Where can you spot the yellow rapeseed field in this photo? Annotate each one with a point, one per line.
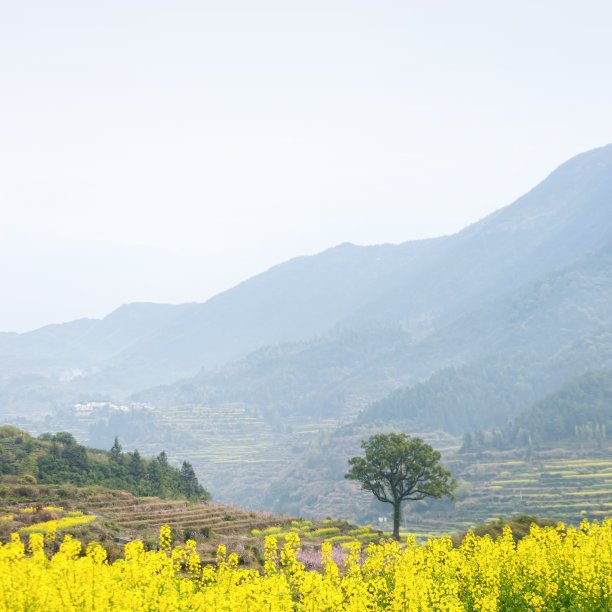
(551, 569)
(72, 519)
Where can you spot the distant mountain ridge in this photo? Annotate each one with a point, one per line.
(530, 336)
(365, 318)
(534, 274)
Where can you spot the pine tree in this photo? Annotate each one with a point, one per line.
(115, 451)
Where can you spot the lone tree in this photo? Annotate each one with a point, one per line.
(396, 468)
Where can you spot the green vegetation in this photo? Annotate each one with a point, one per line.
(397, 468)
(579, 411)
(58, 459)
(519, 526)
(562, 484)
(223, 442)
(484, 394)
(565, 481)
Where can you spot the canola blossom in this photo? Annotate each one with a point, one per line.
(551, 569)
(72, 519)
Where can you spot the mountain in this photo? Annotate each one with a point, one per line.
(414, 289)
(57, 363)
(517, 349)
(85, 341)
(562, 219)
(141, 344)
(576, 411)
(445, 335)
(522, 284)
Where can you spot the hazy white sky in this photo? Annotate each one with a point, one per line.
(164, 151)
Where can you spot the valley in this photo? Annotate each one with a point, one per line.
(269, 387)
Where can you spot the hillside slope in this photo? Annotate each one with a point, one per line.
(416, 288)
(419, 286)
(554, 460)
(58, 459)
(519, 336)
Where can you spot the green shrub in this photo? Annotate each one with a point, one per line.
(189, 533)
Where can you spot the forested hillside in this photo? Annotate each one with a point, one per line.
(518, 347)
(58, 459)
(580, 411)
(491, 390)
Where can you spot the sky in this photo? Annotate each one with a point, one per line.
(166, 151)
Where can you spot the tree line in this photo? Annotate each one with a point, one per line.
(58, 459)
(579, 411)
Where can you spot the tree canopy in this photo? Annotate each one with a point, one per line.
(59, 459)
(397, 468)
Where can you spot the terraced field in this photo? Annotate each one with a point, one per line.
(232, 439)
(216, 440)
(133, 513)
(117, 517)
(566, 484)
(561, 484)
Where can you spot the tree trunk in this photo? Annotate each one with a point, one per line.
(397, 515)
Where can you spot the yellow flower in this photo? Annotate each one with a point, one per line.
(549, 569)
